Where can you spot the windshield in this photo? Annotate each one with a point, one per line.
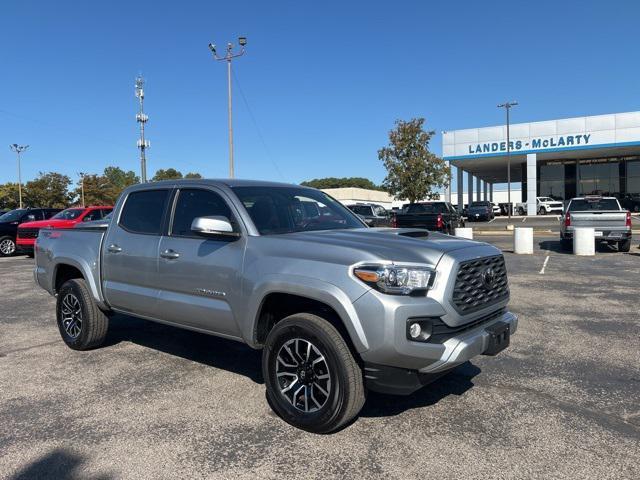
(276, 210)
(546, 199)
(13, 215)
(68, 214)
(581, 205)
(427, 208)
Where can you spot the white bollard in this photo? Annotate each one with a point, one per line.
(466, 232)
(584, 241)
(523, 240)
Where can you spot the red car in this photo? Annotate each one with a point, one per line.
(28, 232)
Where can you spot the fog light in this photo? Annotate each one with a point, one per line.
(415, 330)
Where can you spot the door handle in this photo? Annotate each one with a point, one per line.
(114, 248)
(170, 254)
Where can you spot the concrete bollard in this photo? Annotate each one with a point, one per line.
(523, 240)
(466, 232)
(584, 241)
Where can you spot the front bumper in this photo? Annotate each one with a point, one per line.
(456, 351)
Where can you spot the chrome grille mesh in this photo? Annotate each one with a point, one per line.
(28, 232)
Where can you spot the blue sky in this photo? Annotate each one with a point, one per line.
(324, 80)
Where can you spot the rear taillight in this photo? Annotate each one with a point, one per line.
(628, 222)
(439, 221)
(394, 222)
(567, 220)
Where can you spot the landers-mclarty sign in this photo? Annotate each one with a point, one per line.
(556, 141)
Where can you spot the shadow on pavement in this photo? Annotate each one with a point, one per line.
(59, 464)
(455, 383)
(556, 247)
(216, 352)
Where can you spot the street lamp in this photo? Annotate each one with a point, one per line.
(228, 57)
(507, 106)
(19, 149)
(81, 174)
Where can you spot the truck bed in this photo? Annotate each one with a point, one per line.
(79, 247)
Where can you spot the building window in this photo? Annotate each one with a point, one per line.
(633, 177)
(598, 177)
(552, 181)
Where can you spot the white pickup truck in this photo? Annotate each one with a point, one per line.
(611, 222)
(544, 206)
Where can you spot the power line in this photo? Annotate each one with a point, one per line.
(255, 124)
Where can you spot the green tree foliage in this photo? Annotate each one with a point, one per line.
(48, 190)
(168, 174)
(106, 188)
(413, 172)
(193, 175)
(333, 182)
(9, 197)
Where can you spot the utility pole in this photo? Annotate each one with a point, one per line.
(82, 187)
(19, 149)
(507, 106)
(142, 118)
(228, 57)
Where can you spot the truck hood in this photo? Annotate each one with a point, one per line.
(49, 223)
(401, 245)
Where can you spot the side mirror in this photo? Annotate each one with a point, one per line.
(213, 226)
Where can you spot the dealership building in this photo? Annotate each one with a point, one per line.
(556, 158)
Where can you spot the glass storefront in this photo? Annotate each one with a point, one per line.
(617, 177)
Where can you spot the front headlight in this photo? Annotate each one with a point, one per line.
(396, 279)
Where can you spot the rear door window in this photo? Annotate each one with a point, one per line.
(143, 211)
(585, 205)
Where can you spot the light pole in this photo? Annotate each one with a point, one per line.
(142, 118)
(82, 187)
(507, 106)
(19, 149)
(228, 57)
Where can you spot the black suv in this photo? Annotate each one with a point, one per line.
(9, 225)
(372, 214)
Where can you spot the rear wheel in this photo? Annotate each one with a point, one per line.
(81, 323)
(542, 211)
(566, 244)
(313, 381)
(520, 211)
(7, 246)
(624, 246)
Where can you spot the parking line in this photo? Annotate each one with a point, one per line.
(544, 265)
(523, 220)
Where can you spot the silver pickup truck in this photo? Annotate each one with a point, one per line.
(611, 222)
(338, 308)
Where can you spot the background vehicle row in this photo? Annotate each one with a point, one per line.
(10, 221)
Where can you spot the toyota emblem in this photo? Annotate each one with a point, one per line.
(489, 278)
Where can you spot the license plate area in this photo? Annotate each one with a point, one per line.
(499, 338)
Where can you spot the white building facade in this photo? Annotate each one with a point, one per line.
(556, 158)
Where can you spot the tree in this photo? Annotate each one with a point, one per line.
(413, 172)
(48, 190)
(9, 196)
(119, 179)
(168, 174)
(193, 175)
(97, 190)
(333, 182)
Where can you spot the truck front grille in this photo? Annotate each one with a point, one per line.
(28, 232)
(480, 283)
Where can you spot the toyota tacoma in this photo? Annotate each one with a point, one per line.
(336, 307)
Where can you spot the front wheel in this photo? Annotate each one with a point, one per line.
(313, 381)
(542, 211)
(81, 323)
(7, 246)
(520, 211)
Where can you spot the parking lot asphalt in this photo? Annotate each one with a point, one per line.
(158, 402)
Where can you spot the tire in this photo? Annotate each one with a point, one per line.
(566, 244)
(340, 391)
(542, 211)
(81, 323)
(7, 246)
(624, 246)
(636, 208)
(520, 211)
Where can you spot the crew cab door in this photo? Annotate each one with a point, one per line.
(130, 252)
(201, 276)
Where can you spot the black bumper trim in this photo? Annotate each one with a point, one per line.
(397, 381)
